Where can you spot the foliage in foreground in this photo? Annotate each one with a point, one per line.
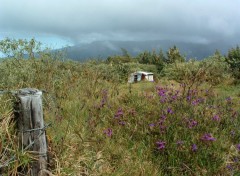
(100, 128)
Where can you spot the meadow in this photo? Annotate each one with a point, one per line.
(186, 122)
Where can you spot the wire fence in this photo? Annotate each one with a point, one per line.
(12, 159)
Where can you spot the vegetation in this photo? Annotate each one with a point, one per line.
(233, 59)
(185, 123)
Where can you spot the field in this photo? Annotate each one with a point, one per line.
(101, 125)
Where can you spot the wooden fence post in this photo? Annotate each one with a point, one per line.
(32, 129)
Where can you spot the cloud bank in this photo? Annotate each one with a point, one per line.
(199, 21)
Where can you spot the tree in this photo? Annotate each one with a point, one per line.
(160, 61)
(174, 55)
(152, 58)
(161, 56)
(144, 58)
(233, 59)
(19, 48)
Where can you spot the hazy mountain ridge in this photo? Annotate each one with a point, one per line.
(103, 49)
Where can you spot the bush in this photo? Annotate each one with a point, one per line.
(194, 73)
(233, 59)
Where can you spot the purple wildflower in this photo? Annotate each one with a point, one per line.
(208, 137)
(169, 111)
(152, 125)
(162, 128)
(228, 99)
(174, 97)
(163, 117)
(229, 167)
(200, 100)
(103, 102)
(195, 91)
(122, 123)
(194, 102)
(179, 143)
(160, 145)
(161, 125)
(161, 121)
(162, 92)
(104, 98)
(119, 113)
(235, 159)
(216, 118)
(192, 123)
(182, 85)
(163, 99)
(108, 132)
(238, 146)
(194, 147)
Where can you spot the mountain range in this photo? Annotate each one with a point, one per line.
(104, 49)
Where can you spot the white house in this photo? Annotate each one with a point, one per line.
(140, 76)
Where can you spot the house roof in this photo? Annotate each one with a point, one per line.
(144, 73)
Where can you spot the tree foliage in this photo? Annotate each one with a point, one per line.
(233, 59)
(19, 48)
(192, 74)
(174, 55)
(152, 58)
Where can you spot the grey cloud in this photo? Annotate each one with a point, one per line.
(90, 20)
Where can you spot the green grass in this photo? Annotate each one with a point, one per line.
(228, 90)
(83, 105)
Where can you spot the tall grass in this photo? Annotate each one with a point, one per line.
(101, 128)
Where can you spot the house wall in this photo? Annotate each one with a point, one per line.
(138, 77)
(149, 77)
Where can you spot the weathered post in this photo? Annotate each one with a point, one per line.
(31, 128)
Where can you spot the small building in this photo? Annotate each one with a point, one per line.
(140, 76)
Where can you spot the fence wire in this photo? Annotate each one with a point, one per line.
(12, 159)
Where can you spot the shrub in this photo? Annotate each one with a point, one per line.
(194, 73)
(233, 59)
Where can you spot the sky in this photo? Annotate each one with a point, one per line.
(58, 23)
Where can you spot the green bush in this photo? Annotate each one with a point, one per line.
(194, 73)
(233, 59)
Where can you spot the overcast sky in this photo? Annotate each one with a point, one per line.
(66, 22)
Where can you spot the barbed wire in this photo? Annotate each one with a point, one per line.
(18, 91)
(43, 129)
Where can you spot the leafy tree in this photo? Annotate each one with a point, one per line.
(161, 56)
(217, 54)
(152, 58)
(118, 59)
(174, 55)
(160, 61)
(19, 48)
(144, 57)
(233, 59)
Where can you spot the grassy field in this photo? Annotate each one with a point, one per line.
(103, 126)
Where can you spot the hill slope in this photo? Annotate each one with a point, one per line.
(103, 49)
